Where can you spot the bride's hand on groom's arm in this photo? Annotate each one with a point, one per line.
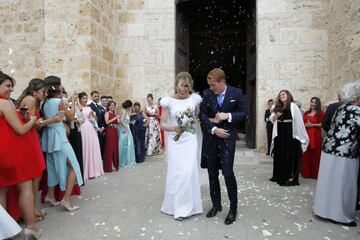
(221, 133)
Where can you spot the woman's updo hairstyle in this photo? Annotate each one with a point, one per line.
(126, 104)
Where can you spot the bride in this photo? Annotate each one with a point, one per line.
(182, 192)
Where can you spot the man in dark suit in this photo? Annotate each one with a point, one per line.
(100, 113)
(269, 125)
(223, 107)
(330, 111)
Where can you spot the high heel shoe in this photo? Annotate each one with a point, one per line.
(39, 215)
(51, 201)
(31, 234)
(66, 206)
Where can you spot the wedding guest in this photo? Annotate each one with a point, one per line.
(75, 135)
(13, 165)
(289, 138)
(329, 113)
(269, 125)
(29, 101)
(139, 124)
(162, 136)
(126, 142)
(153, 132)
(311, 158)
(182, 192)
(62, 165)
(92, 161)
(104, 102)
(111, 139)
(100, 112)
(336, 188)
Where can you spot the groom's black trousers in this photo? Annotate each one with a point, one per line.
(223, 159)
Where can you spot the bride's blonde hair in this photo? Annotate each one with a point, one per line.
(181, 77)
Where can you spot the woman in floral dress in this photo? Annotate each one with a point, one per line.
(153, 131)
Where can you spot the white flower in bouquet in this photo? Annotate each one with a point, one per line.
(186, 122)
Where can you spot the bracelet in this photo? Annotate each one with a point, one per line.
(41, 122)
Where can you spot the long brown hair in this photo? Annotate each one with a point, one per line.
(35, 84)
(318, 106)
(280, 105)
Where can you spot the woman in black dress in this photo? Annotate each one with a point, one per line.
(289, 137)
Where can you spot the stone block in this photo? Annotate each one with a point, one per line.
(289, 35)
(320, 20)
(267, 33)
(121, 72)
(135, 4)
(311, 36)
(119, 4)
(135, 30)
(271, 6)
(107, 54)
(296, 70)
(95, 14)
(8, 29)
(306, 5)
(85, 9)
(129, 17)
(159, 4)
(55, 65)
(322, 68)
(267, 70)
(83, 27)
(30, 28)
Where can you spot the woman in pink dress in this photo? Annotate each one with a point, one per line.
(93, 166)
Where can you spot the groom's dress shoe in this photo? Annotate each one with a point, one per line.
(213, 211)
(231, 217)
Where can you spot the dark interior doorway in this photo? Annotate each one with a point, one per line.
(219, 33)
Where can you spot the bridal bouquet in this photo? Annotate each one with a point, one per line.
(186, 121)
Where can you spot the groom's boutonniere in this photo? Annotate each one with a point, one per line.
(186, 121)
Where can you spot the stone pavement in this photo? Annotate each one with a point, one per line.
(125, 205)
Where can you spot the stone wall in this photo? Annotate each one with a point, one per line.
(21, 40)
(292, 53)
(144, 32)
(344, 43)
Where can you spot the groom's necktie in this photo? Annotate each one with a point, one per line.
(220, 99)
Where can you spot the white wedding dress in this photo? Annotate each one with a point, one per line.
(8, 226)
(182, 192)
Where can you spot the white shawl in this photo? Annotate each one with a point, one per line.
(299, 130)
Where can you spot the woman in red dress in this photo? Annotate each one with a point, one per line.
(29, 101)
(111, 138)
(311, 158)
(162, 135)
(13, 167)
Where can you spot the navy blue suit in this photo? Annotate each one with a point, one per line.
(218, 153)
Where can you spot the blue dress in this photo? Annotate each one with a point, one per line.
(58, 149)
(139, 132)
(126, 145)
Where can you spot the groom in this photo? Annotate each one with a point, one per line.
(223, 107)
